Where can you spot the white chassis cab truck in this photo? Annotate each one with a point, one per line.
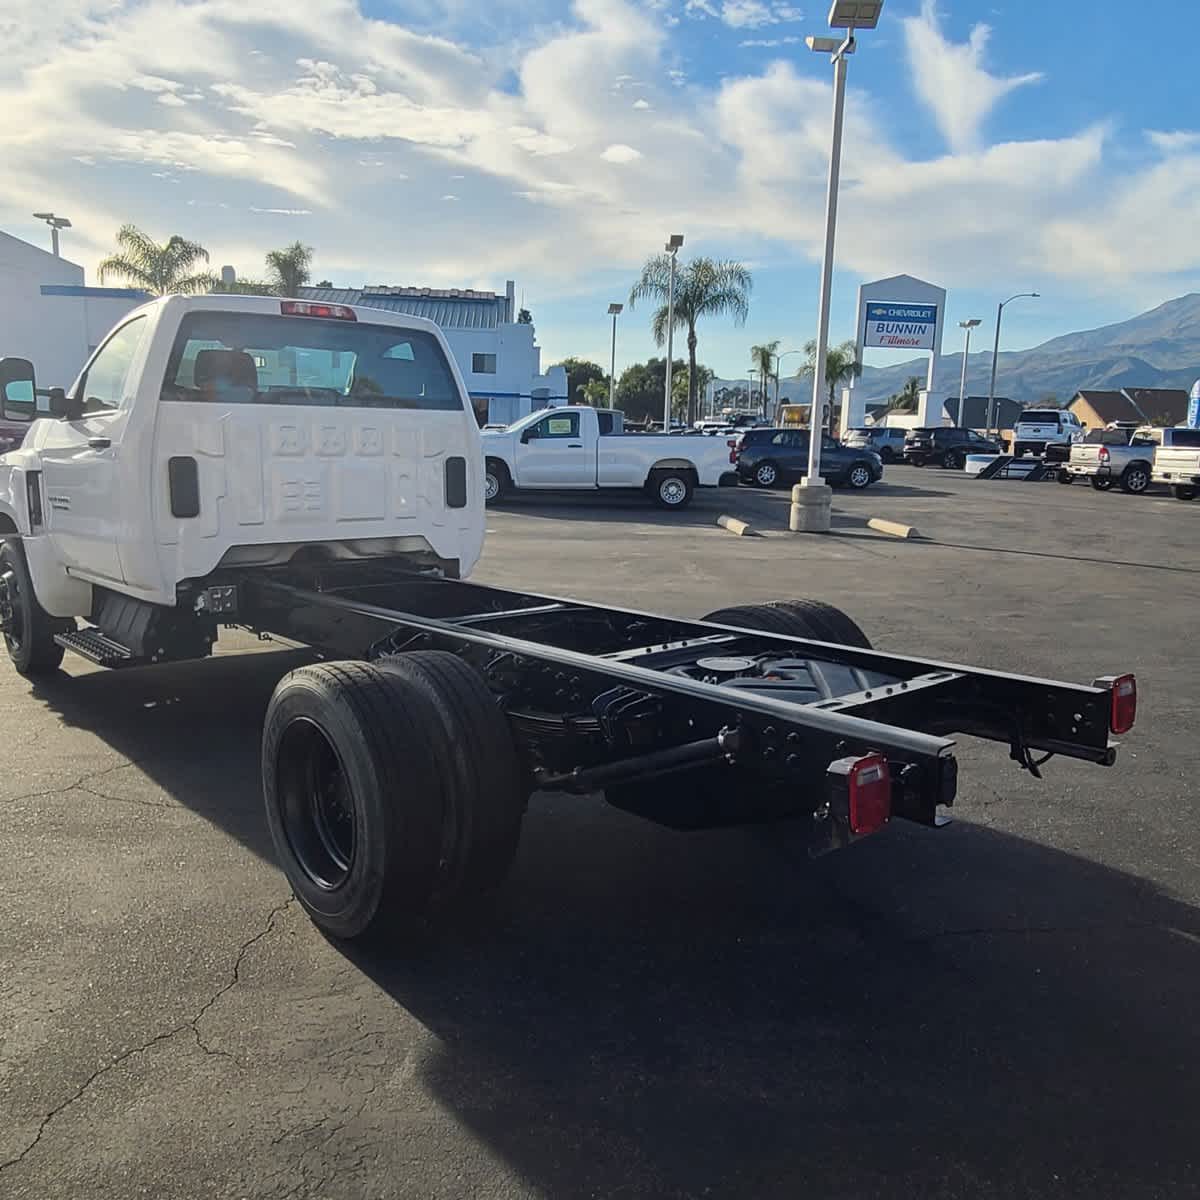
(314, 471)
(565, 449)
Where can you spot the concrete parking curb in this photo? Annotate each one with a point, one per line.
(741, 528)
(895, 528)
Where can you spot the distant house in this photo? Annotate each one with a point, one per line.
(1148, 406)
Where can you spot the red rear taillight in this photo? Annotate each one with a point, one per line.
(1104, 455)
(867, 783)
(306, 308)
(1124, 704)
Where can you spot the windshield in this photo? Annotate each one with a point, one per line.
(258, 358)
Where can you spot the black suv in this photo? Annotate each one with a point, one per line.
(948, 447)
(771, 457)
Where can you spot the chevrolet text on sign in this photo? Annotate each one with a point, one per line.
(901, 326)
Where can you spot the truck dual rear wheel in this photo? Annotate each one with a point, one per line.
(393, 790)
(795, 618)
(28, 629)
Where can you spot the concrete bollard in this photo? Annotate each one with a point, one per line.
(812, 508)
(741, 528)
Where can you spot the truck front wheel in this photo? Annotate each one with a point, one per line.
(392, 790)
(28, 629)
(671, 488)
(496, 481)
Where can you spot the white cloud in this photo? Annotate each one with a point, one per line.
(744, 14)
(771, 42)
(172, 100)
(449, 197)
(1174, 141)
(951, 79)
(618, 152)
(283, 212)
(642, 105)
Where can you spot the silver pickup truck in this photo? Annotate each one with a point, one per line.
(1108, 456)
(1177, 463)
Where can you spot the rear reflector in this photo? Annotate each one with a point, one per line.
(1124, 704)
(306, 308)
(867, 783)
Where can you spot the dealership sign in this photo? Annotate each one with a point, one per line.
(899, 326)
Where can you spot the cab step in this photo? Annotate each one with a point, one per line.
(95, 646)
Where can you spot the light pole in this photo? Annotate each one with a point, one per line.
(614, 311)
(996, 352)
(973, 323)
(750, 374)
(778, 359)
(55, 223)
(673, 244)
(848, 15)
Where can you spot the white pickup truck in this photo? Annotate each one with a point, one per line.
(314, 472)
(567, 449)
(1177, 462)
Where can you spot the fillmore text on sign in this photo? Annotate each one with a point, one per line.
(896, 326)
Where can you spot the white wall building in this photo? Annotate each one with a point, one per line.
(499, 358)
(48, 316)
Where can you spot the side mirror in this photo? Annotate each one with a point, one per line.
(527, 436)
(62, 406)
(18, 389)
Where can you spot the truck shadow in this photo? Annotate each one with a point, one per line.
(646, 1014)
(953, 1014)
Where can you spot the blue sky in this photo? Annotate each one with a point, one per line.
(991, 148)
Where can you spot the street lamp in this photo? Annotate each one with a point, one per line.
(778, 359)
(996, 352)
(848, 15)
(672, 247)
(614, 311)
(973, 323)
(55, 223)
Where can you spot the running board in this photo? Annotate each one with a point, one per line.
(93, 645)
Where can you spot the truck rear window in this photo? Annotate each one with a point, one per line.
(1189, 438)
(258, 358)
(1038, 418)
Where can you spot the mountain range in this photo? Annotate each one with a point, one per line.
(1159, 348)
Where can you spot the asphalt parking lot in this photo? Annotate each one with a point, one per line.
(1003, 1008)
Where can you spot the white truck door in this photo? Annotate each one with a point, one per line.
(80, 478)
(557, 452)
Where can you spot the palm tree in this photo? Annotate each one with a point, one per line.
(907, 399)
(290, 269)
(841, 366)
(763, 360)
(143, 263)
(703, 288)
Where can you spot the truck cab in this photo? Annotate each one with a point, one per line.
(213, 432)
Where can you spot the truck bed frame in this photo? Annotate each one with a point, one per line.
(689, 723)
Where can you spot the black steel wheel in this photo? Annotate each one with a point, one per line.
(1102, 482)
(1182, 492)
(1135, 479)
(28, 629)
(795, 618)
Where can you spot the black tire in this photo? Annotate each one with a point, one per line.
(496, 481)
(859, 476)
(1135, 479)
(1182, 492)
(795, 618)
(366, 776)
(671, 488)
(1102, 482)
(954, 460)
(1018, 451)
(1064, 476)
(767, 474)
(29, 629)
(915, 462)
(488, 780)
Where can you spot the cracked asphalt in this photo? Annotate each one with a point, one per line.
(1003, 1008)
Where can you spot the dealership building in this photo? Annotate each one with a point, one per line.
(49, 315)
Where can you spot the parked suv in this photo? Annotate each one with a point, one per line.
(771, 457)
(887, 442)
(1038, 428)
(946, 446)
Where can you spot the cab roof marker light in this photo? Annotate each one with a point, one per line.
(307, 308)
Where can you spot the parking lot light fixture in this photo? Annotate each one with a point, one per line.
(848, 15)
(674, 242)
(56, 223)
(973, 323)
(614, 311)
(996, 352)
